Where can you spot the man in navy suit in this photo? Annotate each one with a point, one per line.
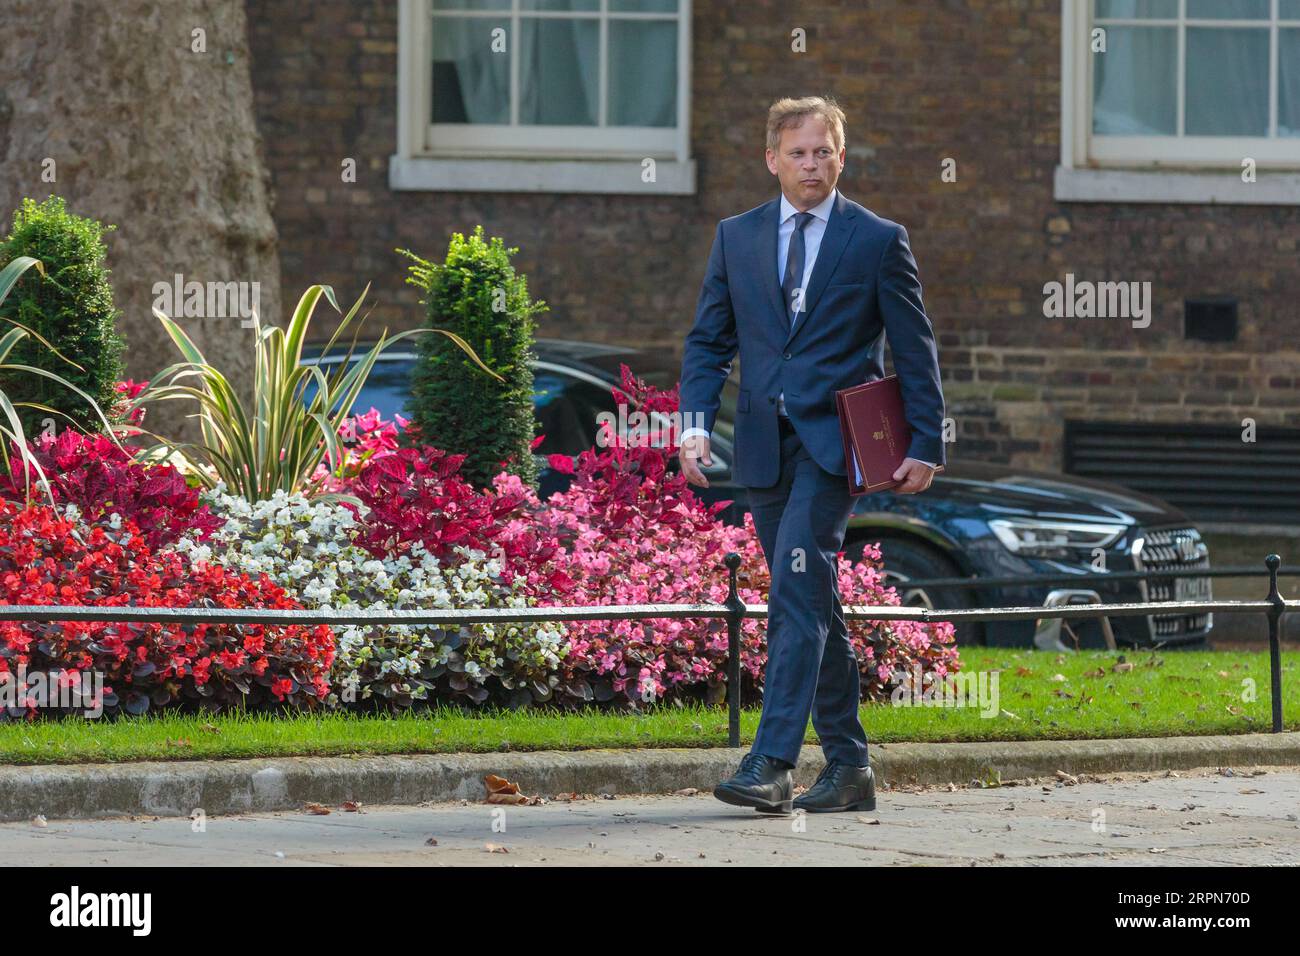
(806, 287)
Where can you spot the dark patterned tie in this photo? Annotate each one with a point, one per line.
(794, 263)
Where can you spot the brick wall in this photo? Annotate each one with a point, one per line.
(975, 81)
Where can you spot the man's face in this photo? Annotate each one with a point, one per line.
(806, 163)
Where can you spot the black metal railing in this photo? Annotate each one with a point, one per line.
(733, 610)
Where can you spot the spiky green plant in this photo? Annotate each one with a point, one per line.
(279, 446)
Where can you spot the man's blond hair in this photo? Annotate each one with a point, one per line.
(790, 112)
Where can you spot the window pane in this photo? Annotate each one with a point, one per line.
(559, 67)
(643, 6)
(1228, 10)
(1227, 82)
(471, 82)
(1288, 83)
(1288, 9)
(559, 5)
(1135, 90)
(1138, 9)
(471, 4)
(642, 73)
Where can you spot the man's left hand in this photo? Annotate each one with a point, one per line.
(914, 475)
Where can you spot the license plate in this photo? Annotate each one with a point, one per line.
(1191, 589)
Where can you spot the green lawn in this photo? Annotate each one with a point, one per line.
(1161, 695)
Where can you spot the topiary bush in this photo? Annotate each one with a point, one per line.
(476, 294)
(72, 308)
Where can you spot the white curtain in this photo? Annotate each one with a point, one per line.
(1288, 82)
(1135, 91)
(642, 73)
(1227, 82)
(559, 67)
(471, 82)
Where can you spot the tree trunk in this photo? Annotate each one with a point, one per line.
(142, 129)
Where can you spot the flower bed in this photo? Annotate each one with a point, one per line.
(48, 557)
(312, 550)
(407, 532)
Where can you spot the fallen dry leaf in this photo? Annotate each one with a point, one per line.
(495, 848)
(1122, 667)
(501, 790)
(317, 808)
(351, 806)
(686, 792)
(1068, 779)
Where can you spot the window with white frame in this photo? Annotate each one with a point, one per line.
(558, 83)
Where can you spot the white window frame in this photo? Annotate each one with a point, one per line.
(512, 158)
(1163, 169)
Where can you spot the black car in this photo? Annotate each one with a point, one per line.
(976, 520)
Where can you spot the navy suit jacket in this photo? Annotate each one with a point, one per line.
(863, 287)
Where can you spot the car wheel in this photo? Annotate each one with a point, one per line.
(906, 561)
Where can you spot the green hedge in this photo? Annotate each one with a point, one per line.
(72, 308)
(476, 294)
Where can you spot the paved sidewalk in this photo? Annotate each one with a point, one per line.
(1171, 819)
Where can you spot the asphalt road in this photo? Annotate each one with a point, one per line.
(1250, 817)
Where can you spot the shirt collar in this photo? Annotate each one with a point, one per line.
(822, 210)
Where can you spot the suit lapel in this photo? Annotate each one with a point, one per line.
(770, 225)
(839, 228)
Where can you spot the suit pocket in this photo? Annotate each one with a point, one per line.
(742, 400)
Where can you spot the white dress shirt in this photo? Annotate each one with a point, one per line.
(812, 243)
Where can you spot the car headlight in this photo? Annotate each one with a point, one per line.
(1054, 538)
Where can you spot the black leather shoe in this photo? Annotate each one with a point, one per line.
(840, 786)
(762, 782)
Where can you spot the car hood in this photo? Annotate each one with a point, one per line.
(1017, 491)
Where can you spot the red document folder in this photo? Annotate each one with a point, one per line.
(876, 434)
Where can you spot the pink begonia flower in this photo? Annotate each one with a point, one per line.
(627, 530)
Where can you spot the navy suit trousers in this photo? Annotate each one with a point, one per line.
(811, 667)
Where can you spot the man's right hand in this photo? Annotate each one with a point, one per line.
(693, 451)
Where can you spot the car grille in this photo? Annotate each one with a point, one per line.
(1174, 549)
